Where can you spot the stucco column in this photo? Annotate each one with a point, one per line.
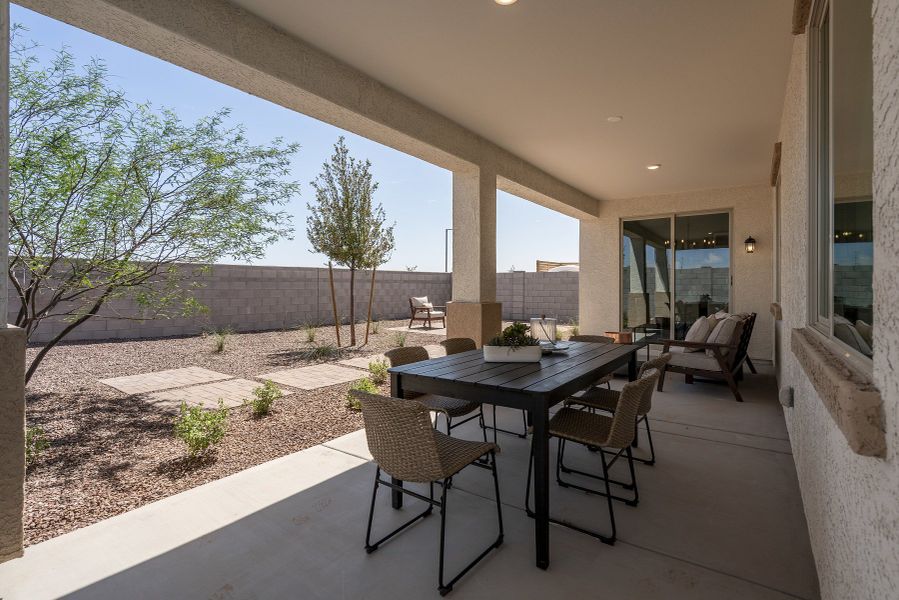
(12, 347)
(598, 280)
(473, 311)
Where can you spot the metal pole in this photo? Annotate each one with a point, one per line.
(446, 250)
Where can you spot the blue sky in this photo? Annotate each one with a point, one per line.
(415, 194)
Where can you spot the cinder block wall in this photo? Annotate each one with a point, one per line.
(253, 298)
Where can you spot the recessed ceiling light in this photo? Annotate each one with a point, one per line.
(615, 119)
(505, 2)
(655, 167)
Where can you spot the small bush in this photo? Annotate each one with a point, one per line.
(575, 330)
(376, 327)
(399, 339)
(220, 339)
(263, 398)
(558, 335)
(320, 352)
(310, 331)
(35, 443)
(199, 428)
(378, 371)
(363, 385)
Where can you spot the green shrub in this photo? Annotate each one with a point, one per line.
(200, 428)
(375, 327)
(320, 352)
(514, 336)
(263, 398)
(378, 371)
(363, 385)
(575, 330)
(558, 335)
(310, 332)
(35, 443)
(220, 339)
(399, 339)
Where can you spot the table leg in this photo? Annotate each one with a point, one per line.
(632, 367)
(540, 420)
(396, 390)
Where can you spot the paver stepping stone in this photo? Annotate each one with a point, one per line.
(420, 329)
(232, 392)
(163, 380)
(313, 377)
(362, 361)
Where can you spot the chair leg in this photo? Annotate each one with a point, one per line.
(560, 467)
(688, 378)
(522, 435)
(446, 588)
(371, 547)
(729, 378)
(652, 452)
(751, 366)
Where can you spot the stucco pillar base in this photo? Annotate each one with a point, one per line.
(479, 321)
(12, 441)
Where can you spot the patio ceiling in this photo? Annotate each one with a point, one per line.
(700, 84)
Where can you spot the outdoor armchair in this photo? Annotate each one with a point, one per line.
(423, 310)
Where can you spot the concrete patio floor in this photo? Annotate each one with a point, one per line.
(719, 517)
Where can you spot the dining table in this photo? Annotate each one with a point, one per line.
(531, 386)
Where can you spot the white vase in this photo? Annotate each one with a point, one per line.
(507, 354)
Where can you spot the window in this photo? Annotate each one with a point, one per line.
(674, 270)
(840, 168)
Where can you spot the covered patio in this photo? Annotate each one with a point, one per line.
(720, 516)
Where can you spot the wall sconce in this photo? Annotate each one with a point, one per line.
(750, 245)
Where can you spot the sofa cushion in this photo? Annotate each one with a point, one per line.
(866, 331)
(724, 333)
(844, 331)
(694, 360)
(421, 302)
(699, 332)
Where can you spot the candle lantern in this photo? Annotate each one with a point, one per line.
(543, 328)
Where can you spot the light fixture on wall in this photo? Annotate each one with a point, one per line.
(654, 167)
(750, 245)
(505, 2)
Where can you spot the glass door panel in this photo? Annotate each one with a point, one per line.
(646, 275)
(702, 268)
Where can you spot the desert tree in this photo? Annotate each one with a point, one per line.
(115, 207)
(346, 225)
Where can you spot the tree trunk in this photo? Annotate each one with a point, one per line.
(352, 306)
(334, 302)
(371, 297)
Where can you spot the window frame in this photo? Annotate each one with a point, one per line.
(821, 200)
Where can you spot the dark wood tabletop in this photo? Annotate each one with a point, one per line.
(534, 387)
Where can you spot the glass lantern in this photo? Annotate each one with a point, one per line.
(544, 329)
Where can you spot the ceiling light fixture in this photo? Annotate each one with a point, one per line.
(505, 2)
(655, 167)
(615, 119)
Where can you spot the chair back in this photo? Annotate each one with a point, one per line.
(457, 345)
(743, 342)
(657, 363)
(623, 428)
(406, 355)
(593, 339)
(400, 437)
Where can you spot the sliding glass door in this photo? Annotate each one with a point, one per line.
(675, 269)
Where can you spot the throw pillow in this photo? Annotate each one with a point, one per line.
(723, 334)
(698, 332)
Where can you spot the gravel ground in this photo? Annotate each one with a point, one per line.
(111, 453)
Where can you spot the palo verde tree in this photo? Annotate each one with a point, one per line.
(115, 204)
(345, 225)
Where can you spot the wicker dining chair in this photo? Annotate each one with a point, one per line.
(612, 435)
(457, 345)
(597, 398)
(450, 408)
(596, 339)
(406, 447)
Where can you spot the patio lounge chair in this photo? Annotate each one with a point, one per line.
(608, 433)
(450, 408)
(457, 345)
(599, 398)
(422, 310)
(406, 447)
(721, 356)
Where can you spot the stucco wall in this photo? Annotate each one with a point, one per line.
(851, 502)
(600, 254)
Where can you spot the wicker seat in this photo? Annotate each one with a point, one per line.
(457, 345)
(407, 448)
(450, 408)
(612, 435)
(596, 339)
(597, 398)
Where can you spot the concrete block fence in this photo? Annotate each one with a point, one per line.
(256, 298)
